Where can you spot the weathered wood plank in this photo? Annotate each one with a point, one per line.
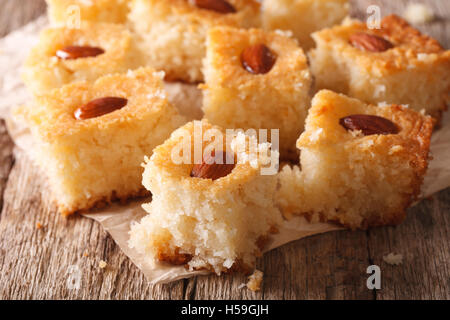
(423, 240)
(37, 262)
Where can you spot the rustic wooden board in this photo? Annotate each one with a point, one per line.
(40, 263)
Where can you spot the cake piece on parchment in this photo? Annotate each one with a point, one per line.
(257, 80)
(91, 138)
(64, 55)
(395, 64)
(213, 205)
(361, 165)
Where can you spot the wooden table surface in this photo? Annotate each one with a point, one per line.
(40, 263)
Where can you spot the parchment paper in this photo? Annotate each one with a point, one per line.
(116, 219)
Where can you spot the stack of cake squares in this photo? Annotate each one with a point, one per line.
(354, 109)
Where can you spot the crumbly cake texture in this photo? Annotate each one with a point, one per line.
(63, 12)
(255, 280)
(303, 17)
(44, 71)
(358, 181)
(219, 225)
(174, 31)
(94, 161)
(236, 98)
(415, 72)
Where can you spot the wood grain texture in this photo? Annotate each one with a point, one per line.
(16, 13)
(41, 263)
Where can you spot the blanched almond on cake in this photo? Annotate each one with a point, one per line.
(220, 6)
(258, 59)
(218, 165)
(99, 107)
(75, 52)
(369, 42)
(368, 124)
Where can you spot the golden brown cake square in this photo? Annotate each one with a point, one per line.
(65, 55)
(303, 17)
(173, 32)
(64, 12)
(91, 138)
(256, 80)
(213, 213)
(360, 165)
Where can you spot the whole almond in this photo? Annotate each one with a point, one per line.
(258, 59)
(220, 6)
(100, 107)
(75, 52)
(368, 124)
(219, 164)
(369, 42)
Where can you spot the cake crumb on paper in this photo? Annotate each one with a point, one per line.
(417, 13)
(255, 280)
(393, 259)
(102, 264)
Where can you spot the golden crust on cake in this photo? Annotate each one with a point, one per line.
(84, 159)
(218, 225)
(182, 48)
(62, 12)
(236, 98)
(415, 71)
(408, 42)
(354, 179)
(44, 71)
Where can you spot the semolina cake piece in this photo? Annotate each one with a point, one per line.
(303, 17)
(395, 64)
(92, 137)
(361, 165)
(173, 32)
(257, 80)
(213, 207)
(65, 55)
(65, 12)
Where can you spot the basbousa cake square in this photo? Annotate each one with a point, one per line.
(92, 137)
(70, 12)
(257, 80)
(395, 64)
(173, 32)
(64, 55)
(303, 17)
(214, 215)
